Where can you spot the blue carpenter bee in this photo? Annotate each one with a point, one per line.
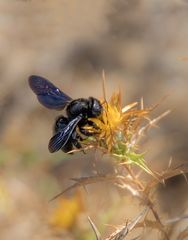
(66, 137)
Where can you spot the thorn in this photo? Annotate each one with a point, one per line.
(95, 230)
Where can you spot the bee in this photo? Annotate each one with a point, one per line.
(67, 128)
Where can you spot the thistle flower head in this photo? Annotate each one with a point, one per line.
(116, 130)
(118, 124)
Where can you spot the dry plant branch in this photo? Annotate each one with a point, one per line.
(95, 230)
(171, 172)
(83, 181)
(123, 231)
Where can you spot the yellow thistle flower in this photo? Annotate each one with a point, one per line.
(116, 129)
(65, 214)
(116, 123)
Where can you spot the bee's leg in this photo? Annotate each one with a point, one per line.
(60, 123)
(86, 132)
(75, 138)
(77, 144)
(68, 147)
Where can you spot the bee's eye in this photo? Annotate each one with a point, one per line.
(97, 108)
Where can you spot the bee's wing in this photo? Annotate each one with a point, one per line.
(60, 139)
(48, 94)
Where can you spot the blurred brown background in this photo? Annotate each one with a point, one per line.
(141, 45)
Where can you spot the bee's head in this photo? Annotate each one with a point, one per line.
(95, 107)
